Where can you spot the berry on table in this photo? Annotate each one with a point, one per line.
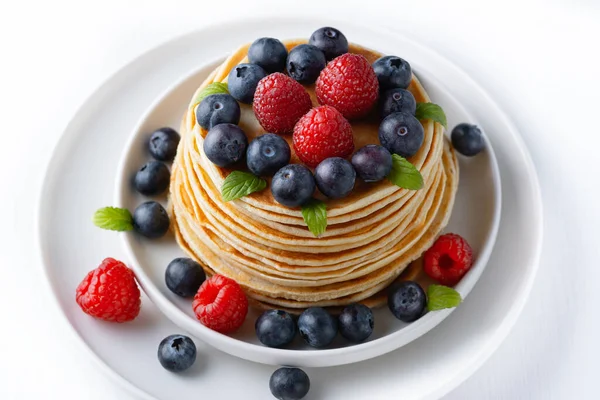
(217, 109)
(279, 103)
(449, 259)
(467, 139)
(225, 144)
(163, 144)
(397, 100)
(401, 134)
(293, 185)
(322, 133)
(152, 179)
(392, 72)
(356, 322)
(407, 301)
(275, 328)
(150, 219)
(176, 353)
(269, 53)
(332, 42)
(220, 304)
(109, 292)
(289, 384)
(267, 153)
(242, 81)
(372, 162)
(184, 276)
(305, 62)
(317, 327)
(335, 177)
(349, 84)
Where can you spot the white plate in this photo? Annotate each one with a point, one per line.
(80, 179)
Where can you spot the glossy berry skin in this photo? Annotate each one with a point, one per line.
(407, 301)
(467, 139)
(449, 259)
(275, 328)
(317, 327)
(356, 322)
(152, 179)
(217, 109)
(242, 81)
(220, 304)
(225, 144)
(184, 276)
(293, 185)
(269, 53)
(163, 144)
(305, 62)
(349, 84)
(151, 220)
(372, 163)
(322, 133)
(279, 102)
(267, 154)
(109, 292)
(397, 100)
(176, 353)
(335, 177)
(289, 384)
(392, 72)
(401, 134)
(332, 42)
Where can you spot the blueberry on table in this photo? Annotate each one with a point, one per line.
(356, 322)
(305, 62)
(397, 100)
(184, 276)
(267, 154)
(163, 144)
(152, 179)
(317, 327)
(392, 72)
(176, 353)
(402, 134)
(289, 384)
(335, 177)
(293, 185)
(407, 301)
(467, 139)
(275, 328)
(150, 219)
(372, 163)
(332, 42)
(225, 144)
(242, 81)
(217, 109)
(268, 53)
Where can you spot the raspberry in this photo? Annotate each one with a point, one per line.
(220, 304)
(322, 133)
(449, 259)
(349, 84)
(279, 102)
(109, 292)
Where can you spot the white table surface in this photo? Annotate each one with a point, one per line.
(541, 63)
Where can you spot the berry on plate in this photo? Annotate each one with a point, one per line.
(221, 304)
(449, 259)
(109, 292)
(176, 353)
(217, 109)
(356, 322)
(150, 219)
(397, 100)
(372, 162)
(467, 139)
(317, 327)
(322, 133)
(293, 185)
(407, 301)
(225, 144)
(335, 177)
(242, 81)
(349, 84)
(305, 62)
(152, 179)
(184, 276)
(392, 72)
(279, 103)
(275, 328)
(289, 384)
(401, 134)
(269, 53)
(163, 144)
(332, 42)
(267, 153)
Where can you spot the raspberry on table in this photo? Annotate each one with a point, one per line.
(110, 292)
(449, 259)
(221, 304)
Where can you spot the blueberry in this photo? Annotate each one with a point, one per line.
(225, 144)
(305, 63)
(163, 144)
(268, 53)
(217, 109)
(397, 100)
(335, 177)
(293, 185)
(407, 301)
(356, 322)
(275, 328)
(184, 277)
(467, 139)
(289, 384)
(392, 72)
(242, 81)
(372, 163)
(176, 353)
(401, 133)
(332, 42)
(152, 179)
(150, 219)
(317, 327)
(267, 154)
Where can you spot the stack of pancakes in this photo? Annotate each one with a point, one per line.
(372, 235)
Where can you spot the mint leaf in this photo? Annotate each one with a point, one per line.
(404, 174)
(239, 184)
(431, 111)
(314, 213)
(113, 219)
(440, 297)
(213, 88)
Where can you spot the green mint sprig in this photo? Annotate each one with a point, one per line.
(239, 184)
(440, 297)
(431, 111)
(213, 88)
(404, 174)
(314, 213)
(113, 219)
